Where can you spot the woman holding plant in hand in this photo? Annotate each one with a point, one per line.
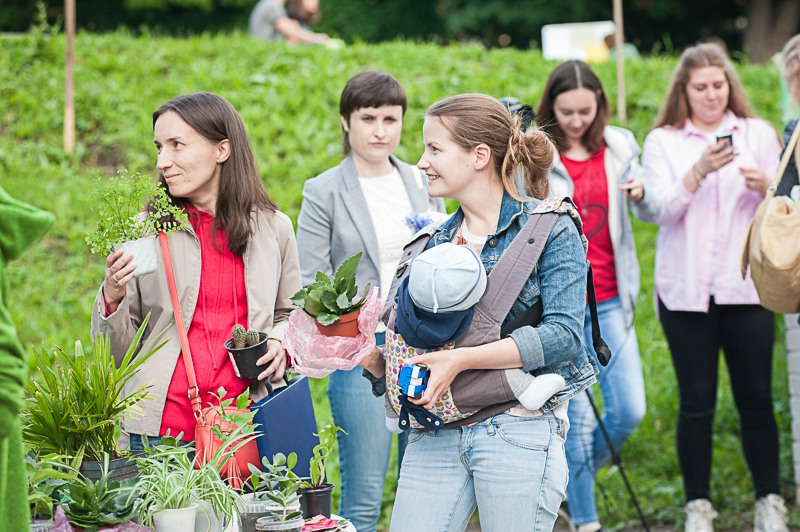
(236, 262)
(510, 463)
(709, 162)
(361, 205)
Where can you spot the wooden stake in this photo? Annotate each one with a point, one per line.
(619, 41)
(69, 80)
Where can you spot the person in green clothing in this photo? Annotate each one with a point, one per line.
(20, 226)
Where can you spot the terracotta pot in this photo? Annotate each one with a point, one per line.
(244, 359)
(346, 325)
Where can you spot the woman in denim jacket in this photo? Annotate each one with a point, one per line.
(511, 466)
(598, 167)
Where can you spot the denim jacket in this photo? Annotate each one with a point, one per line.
(559, 280)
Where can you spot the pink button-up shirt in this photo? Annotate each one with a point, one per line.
(699, 245)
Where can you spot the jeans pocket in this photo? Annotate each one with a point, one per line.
(415, 435)
(526, 433)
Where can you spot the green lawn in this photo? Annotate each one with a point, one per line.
(288, 98)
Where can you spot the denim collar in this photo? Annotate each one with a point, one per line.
(510, 210)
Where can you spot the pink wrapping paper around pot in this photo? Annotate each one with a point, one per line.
(316, 355)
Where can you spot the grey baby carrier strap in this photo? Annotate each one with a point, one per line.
(504, 284)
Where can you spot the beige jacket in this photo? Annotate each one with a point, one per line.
(272, 276)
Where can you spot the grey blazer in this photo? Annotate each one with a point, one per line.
(334, 222)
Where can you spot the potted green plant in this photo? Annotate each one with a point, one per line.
(120, 202)
(274, 494)
(75, 404)
(331, 300)
(47, 476)
(245, 347)
(98, 503)
(315, 494)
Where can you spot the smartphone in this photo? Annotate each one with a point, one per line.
(727, 137)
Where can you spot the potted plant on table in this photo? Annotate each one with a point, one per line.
(120, 201)
(315, 494)
(47, 477)
(99, 503)
(331, 300)
(245, 347)
(74, 407)
(274, 499)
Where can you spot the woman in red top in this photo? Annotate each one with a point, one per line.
(597, 165)
(236, 263)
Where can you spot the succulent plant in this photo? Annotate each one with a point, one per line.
(329, 298)
(239, 336)
(253, 338)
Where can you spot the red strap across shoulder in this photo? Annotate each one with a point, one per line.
(194, 391)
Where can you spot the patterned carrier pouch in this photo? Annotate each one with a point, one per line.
(504, 284)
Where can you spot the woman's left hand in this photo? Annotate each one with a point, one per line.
(444, 366)
(275, 359)
(754, 179)
(633, 189)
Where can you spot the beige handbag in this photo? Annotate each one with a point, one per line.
(772, 247)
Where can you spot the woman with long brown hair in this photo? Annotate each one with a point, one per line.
(235, 263)
(709, 162)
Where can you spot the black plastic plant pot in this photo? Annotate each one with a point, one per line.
(244, 359)
(118, 469)
(316, 501)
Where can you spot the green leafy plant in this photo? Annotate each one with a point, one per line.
(76, 404)
(327, 437)
(47, 476)
(328, 297)
(95, 504)
(278, 483)
(120, 201)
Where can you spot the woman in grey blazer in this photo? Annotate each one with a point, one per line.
(361, 205)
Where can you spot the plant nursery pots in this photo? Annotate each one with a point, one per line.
(244, 359)
(346, 325)
(316, 501)
(273, 524)
(181, 520)
(145, 253)
(42, 526)
(254, 509)
(118, 469)
(207, 520)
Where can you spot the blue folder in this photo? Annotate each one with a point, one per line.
(287, 424)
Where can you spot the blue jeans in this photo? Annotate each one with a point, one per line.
(512, 468)
(622, 386)
(364, 451)
(137, 444)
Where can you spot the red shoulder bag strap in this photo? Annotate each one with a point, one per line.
(193, 391)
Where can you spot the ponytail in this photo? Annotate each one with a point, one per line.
(527, 163)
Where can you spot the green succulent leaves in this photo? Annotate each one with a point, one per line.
(329, 298)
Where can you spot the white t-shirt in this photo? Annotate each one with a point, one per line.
(388, 205)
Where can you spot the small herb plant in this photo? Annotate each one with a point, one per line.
(98, 504)
(329, 298)
(327, 437)
(47, 476)
(278, 483)
(120, 201)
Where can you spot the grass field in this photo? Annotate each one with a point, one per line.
(288, 98)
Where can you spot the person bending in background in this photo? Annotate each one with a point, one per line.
(597, 166)
(361, 205)
(709, 162)
(290, 21)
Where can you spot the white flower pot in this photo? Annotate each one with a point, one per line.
(145, 254)
(42, 526)
(181, 520)
(207, 520)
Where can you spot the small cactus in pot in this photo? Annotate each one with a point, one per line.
(245, 347)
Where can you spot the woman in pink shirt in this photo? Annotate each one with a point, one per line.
(709, 162)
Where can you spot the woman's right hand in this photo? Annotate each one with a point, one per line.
(119, 272)
(715, 157)
(374, 363)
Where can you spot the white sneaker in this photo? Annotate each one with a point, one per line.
(770, 515)
(699, 516)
